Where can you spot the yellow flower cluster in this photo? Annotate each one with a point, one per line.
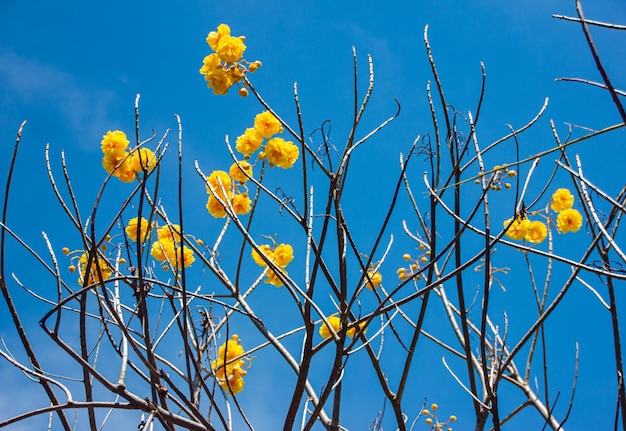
(522, 228)
(121, 163)
(433, 421)
(168, 248)
(99, 269)
(568, 219)
(277, 151)
(280, 255)
(335, 322)
(226, 67)
(414, 266)
(229, 189)
(229, 366)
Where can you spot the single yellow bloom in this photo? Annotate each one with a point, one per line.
(351, 331)
(267, 251)
(267, 124)
(569, 220)
(537, 232)
(375, 278)
(114, 143)
(283, 255)
(175, 256)
(210, 63)
(99, 270)
(249, 142)
(219, 183)
(110, 161)
(518, 228)
(220, 81)
(228, 366)
(161, 248)
(133, 226)
(230, 49)
(241, 203)
(562, 199)
(334, 321)
(215, 208)
(169, 232)
(238, 171)
(214, 37)
(142, 160)
(281, 153)
(273, 279)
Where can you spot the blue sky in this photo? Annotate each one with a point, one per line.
(72, 69)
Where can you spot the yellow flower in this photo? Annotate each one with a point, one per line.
(142, 159)
(283, 255)
(569, 220)
(334, 321)
(241, 203)
(169, 233)
(267, 124)
(114, 143)
(161, 248)
(267, 251)
(110, 161)
(230, 49)
(249, 142)
(537, 232)
(209, 65)
(238, 171)
(375, 277)
(219, 183)
(176, 255)
(99, 270)
(273, 279)
(220, 81)
(132, 227)
(562, 199)
(351, 331)
(214, 37)
(281, 153)
(518, 228)
(215, 208)
(124, 170)
(166, 250)
(228, 366)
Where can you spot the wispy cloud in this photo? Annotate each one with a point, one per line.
(27, 82)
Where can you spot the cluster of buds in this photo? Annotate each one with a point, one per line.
(433, 421)
(94, 270)
(499, 175)
(415, 264)
(226, 66)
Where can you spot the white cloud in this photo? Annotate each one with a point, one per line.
(28, 83)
